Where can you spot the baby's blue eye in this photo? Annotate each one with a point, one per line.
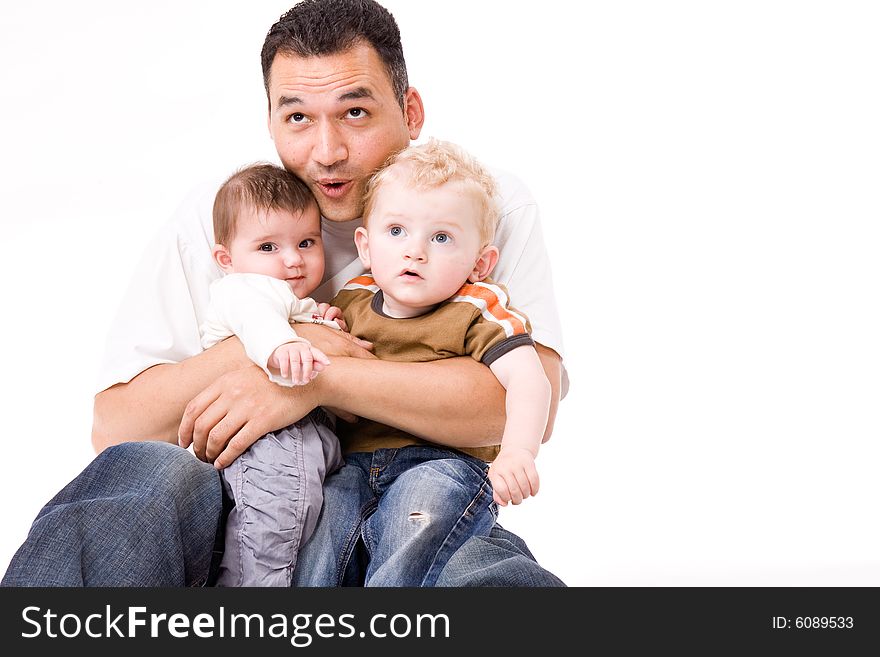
(441, 238)
(396, 231)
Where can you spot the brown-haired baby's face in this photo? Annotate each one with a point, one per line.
(281, 244)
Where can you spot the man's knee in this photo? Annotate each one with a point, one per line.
(493, 561)
(161, 468)
(144, 452)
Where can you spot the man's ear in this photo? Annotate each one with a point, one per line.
(414, 111)
(222, 258)
(485, 264)
(362, 242)
(269, 122)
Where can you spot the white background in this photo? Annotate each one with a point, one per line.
(708, 175)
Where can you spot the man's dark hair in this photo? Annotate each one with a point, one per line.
(314, 28)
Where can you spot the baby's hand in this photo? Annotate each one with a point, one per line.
(513, 476)
(329, 313)
(298, 362)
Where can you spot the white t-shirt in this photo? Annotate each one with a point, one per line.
(169, 295)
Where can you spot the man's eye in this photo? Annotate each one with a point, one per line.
(442, 238)
(306, 243)
(395, 231)
(357, 112)
(267, 247)
(297, 118)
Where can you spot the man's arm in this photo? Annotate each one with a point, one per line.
(425, 399)
(552, 364)
(456, 402)
(151, 405)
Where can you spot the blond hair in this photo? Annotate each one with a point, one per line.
(259, 186)
(436, 163)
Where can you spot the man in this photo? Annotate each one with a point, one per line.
(339, 104)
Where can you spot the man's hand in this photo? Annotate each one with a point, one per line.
(229, 415)
(513, 476)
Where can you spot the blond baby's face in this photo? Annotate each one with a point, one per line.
(422, 245)
(277, 243)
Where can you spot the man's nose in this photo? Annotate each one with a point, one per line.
(330, 147)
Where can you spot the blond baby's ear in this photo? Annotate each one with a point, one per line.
(362, 242)
(221, 256)
(485, 264)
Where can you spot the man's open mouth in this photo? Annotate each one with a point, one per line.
(333, 188)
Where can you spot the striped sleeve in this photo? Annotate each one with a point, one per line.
(497, 327)
(362, 283)
(356, 289)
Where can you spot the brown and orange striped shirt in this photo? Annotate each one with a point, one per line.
(477, 321)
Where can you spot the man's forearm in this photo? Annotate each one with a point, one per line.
(456, 402)
(149, 407)
(552, 364)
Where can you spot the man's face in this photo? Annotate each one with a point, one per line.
(335, 120)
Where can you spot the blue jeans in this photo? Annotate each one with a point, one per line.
(148, 514)
(141, 514)
(414, 516)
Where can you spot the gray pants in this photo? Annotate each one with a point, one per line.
(277, 488)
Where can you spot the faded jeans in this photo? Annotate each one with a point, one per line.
(140, 514)
(414, 516)
(147, 514)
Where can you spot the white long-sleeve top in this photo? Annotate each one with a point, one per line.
(259, 310)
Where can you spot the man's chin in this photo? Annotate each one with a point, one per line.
(341, 213)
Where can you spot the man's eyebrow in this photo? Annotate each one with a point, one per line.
(289, 100)
(356, 94)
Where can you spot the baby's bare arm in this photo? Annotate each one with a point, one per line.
(528, 400)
